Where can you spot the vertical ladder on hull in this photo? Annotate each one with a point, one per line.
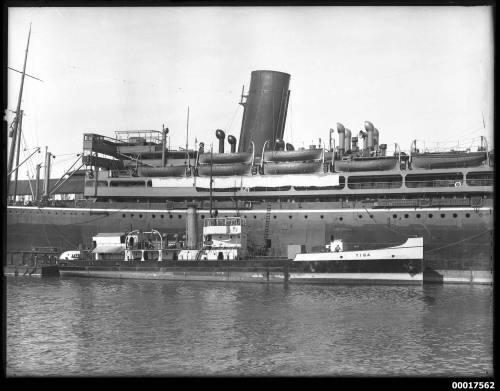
(268, 219)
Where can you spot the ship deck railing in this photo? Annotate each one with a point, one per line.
(223, 221)
(149, 136)
(94, 137)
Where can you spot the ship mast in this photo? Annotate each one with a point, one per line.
(211, 175)
(16, 121)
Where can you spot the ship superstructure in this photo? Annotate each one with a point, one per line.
(287, 195)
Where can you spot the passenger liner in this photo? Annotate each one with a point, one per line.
(351, 190)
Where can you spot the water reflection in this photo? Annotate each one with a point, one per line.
(120, 327)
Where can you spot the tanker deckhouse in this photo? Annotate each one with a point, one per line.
(353, 191)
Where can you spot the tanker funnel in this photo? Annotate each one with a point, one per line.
(265, 110)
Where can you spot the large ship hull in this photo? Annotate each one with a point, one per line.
(457, 241)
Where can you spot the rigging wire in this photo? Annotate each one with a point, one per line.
(234, 117)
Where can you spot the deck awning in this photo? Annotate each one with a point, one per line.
(108, 249)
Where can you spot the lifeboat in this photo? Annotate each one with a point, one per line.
(162, 171)
(366, 164)
(448, 159)
(292, 156)
(224, 169)
(277, 168)
(225, 158)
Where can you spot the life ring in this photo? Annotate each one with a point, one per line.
(458, 184)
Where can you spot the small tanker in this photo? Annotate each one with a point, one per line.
(224, 256)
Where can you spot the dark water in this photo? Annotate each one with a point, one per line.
(94, 327)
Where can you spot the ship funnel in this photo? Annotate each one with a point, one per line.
(383, 149)
(347, 139)
(341, 131)
(369, 130)
(220, 135)
(232, 141)
(279, 145)
(265, 109)
(289, 147)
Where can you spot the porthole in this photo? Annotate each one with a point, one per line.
(123, 215)
(245, 216)
(406, 216)
(467, 215)
(153, 216)
(203, 216)
(394, 216)
(140, 216)
(305, 216)
(132, 215)
(341, 218)
(455, 215)
(254, 216)
(274, 217)
(290, 217)
(418, 215)
(431, 215)
(360, 216)
(162, 216)
(179, 216)
(170, 216)
(321, 216)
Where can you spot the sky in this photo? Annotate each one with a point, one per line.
(422, 73)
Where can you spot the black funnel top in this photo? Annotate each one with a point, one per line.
(265, 110)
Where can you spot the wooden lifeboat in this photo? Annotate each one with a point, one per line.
(225, 158)
(380, 163)
(455, 159)
(292, 156)
(224, 169)
(277, 168)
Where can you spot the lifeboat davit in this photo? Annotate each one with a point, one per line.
(225, 158)
(224, 169)
(455, 159)
(277, 168)
(292, 156)
(366, 164)
(175, 171)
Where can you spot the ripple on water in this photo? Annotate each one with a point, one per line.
(111, 327)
